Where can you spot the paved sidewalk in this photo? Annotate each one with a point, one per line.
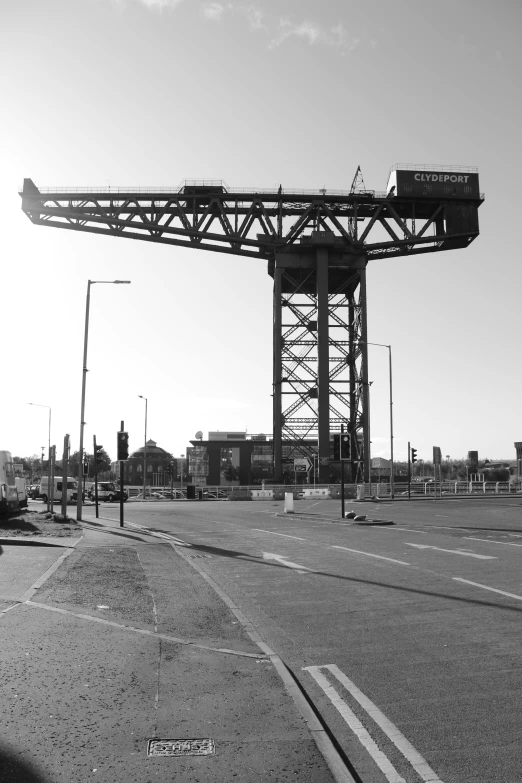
(124, 642)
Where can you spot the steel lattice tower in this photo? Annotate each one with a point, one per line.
(317, 245)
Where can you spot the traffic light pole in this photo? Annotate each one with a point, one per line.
(342, 471)
(95, 474)
(122, 429)
(409, 471)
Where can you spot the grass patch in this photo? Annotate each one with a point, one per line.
(39, 523)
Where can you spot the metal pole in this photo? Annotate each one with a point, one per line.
(277, 440)
(342, 472)
(384, 345)
(145, 448)
(145, 452)
(37, 405)
(181, 474)
(82, 414)
(409, 474)
(122, 429)
(64, 476)
(49, 451)
(84, 380)
(95, 477)
(392, 480)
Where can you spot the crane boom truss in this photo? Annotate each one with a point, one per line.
(317, 245)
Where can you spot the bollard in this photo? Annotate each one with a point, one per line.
(289, 503)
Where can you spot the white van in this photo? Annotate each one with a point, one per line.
(8, 493)
(72, 489)
(21, 488)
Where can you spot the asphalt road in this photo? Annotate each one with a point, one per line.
(406, 638)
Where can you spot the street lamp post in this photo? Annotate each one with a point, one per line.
(145, 449)
(84, 380)
(384, 345)
(37, 405)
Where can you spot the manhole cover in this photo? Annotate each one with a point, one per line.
(180, 747)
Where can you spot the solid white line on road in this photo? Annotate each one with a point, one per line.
(452, 551)
(273, 533)
(417, 761)
(356, 726)
(369, 554)
(487, 541)
(280, 559)
(485, 587)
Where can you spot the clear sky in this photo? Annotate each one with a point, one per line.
(298, 92)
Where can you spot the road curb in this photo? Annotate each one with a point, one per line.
(319, 733)
(44, 577)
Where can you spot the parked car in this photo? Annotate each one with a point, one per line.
(34, 491)
(173, 494)
(214, 494)
(107, 491)
(150, 496)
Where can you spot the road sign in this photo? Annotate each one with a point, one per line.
(302, 464)
(437, 456)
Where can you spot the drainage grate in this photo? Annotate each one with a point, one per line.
(180, 747)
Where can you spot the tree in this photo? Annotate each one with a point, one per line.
(104, 462)
(231, 473)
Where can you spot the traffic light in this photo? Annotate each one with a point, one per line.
(337, 445)
(85, 468)
(123, 446)
(345, 446)
(97, 454)
(413, 456)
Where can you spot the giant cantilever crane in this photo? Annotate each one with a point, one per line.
(317, 245)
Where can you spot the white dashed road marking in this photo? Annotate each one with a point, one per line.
(487, 541)
(452, 551)
(485, 587)
(273, 533)
(369, 554)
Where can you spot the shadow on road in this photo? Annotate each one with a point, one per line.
(212, 550)
(113, 531)
(14, 770)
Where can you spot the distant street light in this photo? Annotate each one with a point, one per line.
(84, 380)
(145, 450)
(37, 405)
(384, 345)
